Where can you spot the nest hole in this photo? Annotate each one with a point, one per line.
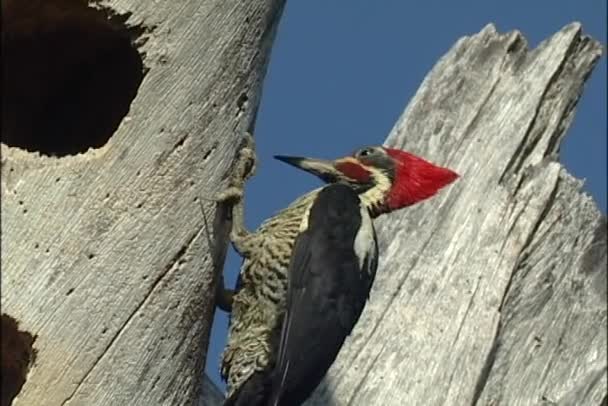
(69, 75)
(18, 355)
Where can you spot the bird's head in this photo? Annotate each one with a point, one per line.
(386, 179)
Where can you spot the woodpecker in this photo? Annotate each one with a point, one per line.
(331, 272)
(259, 349)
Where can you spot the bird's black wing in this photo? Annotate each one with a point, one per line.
(330, 275)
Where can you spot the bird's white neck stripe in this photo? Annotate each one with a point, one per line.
(304, 222)
(377, 194)
(364, 240)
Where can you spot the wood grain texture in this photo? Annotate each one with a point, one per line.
(104, 257)
(494, 292)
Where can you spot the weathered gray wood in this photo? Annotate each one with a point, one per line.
(103, 254)
(494, 292)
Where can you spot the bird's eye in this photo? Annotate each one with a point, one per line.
(366, 152)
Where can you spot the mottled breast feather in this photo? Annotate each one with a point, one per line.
(259, 304)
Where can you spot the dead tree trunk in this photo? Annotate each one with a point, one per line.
(493, 293)
(116, 118)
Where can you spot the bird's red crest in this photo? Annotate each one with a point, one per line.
(353, 170)
(415, 179)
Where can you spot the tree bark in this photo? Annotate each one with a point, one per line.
(493, 292)
(104, 253)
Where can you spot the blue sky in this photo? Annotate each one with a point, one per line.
(342, 71)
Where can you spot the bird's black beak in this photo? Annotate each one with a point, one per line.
(324, 169)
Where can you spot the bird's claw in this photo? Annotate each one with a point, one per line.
(246, 162)
(230, 195)
(243, 169)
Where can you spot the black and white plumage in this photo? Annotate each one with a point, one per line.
(382, 180)
(331, 272)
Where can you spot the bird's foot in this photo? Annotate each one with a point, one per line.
(246, 162)
(242, 170)
(231, 195)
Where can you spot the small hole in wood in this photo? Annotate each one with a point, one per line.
(69, 75)
(69, 292)
(241, 103)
